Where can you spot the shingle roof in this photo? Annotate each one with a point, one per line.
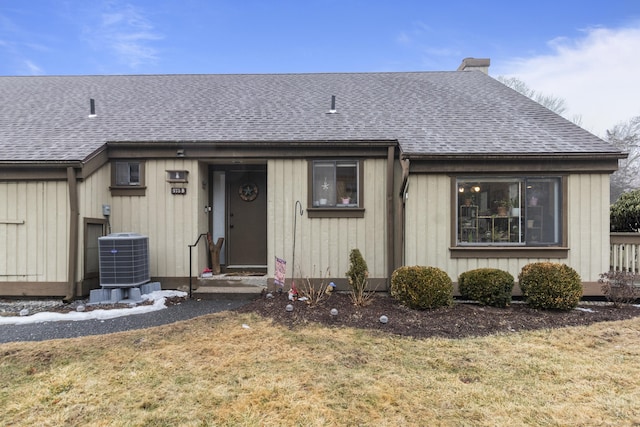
(458, 112)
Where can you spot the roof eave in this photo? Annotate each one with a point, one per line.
(515, 163)
(516, 156)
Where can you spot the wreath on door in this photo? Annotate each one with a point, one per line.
(248, 191)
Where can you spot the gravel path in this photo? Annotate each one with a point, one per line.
(187, 309)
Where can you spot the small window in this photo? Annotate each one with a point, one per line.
(335, 184)
(127, 178)
(177, 176)
(127, 173)
(509, 211)
(336, 188)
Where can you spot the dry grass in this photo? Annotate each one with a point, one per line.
(212, 371)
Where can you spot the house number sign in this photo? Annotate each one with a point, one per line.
(178, 191)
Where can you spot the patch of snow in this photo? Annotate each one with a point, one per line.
(158, 298)
(588, 310)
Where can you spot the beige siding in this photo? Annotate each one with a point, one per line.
(93, 192)
(170, 221)
(34, 219)
(429, 221)
(324, 243)
(588, 227)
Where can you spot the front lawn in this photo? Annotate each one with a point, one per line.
(243, 369)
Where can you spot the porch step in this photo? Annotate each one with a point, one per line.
(229, 287)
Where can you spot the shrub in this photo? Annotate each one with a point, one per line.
(357, 277)
(315, 292)
(625, 212)
(550, 285)
(620, 287)
(422, 287)
(488, 286)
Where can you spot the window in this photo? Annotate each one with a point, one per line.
(335, 184)
(127, 178)
(509, 211)
(335, 188)
(127, 173)
(177, 176)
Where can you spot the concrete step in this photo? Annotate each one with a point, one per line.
(229, 287)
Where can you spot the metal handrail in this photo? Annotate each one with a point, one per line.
(190, 275)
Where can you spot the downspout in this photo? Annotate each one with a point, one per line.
(74, 214)
(404, 187)
(390, 214)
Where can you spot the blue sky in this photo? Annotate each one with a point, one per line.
(582, 51)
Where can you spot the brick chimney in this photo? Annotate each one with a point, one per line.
(475, 64)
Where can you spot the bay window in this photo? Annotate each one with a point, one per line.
(509, 211)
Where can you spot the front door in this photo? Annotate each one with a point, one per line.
(246, 219)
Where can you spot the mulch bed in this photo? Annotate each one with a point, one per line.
(463, 319)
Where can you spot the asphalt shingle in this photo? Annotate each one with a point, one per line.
(458, 112)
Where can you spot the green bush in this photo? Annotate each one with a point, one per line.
(625, 212)
(422, 287)
(357, 277)
(488, 286)
(550, 285)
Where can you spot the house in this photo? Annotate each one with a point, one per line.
(412, 168)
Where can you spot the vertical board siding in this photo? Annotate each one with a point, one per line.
(93, 192)
(324, 243)
(170, 221)
(429, 220)
(588, 225)
(34, 221)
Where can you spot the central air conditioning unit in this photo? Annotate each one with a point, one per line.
(124, 260)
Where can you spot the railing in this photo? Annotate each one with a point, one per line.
(190, 263)
(625, 252)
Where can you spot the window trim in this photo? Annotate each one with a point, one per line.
(332, 211)
(128, 190)
(559, 250)
(89, 222)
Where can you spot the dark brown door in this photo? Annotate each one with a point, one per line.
(247, 219)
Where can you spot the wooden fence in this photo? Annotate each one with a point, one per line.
(625, 252)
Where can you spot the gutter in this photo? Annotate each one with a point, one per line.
(516, 155)
(40, 163)
(74, 214)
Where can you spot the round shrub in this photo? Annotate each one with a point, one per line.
(488, 286)
(422, 287)
(550, 285)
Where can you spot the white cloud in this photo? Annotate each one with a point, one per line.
(34, 70)
(129, 34)
(595, 74)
